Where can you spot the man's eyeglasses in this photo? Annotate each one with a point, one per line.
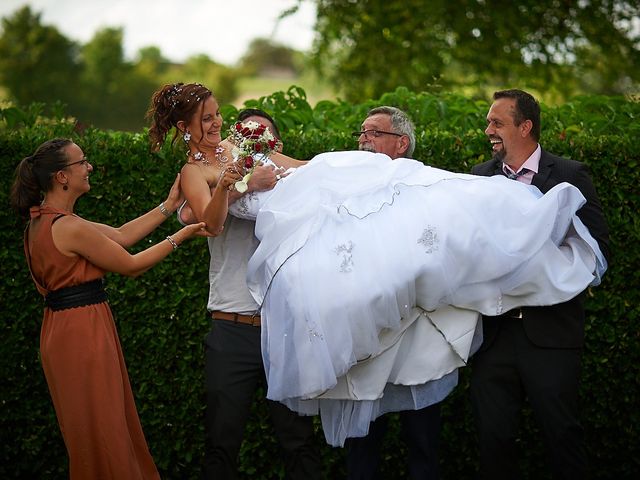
(375, 133)
(84, 161)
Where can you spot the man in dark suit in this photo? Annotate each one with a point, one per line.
(532, 352)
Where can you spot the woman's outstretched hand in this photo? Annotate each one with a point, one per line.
(175, 197)
(193, 230)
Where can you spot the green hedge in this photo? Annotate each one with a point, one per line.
(161, 315)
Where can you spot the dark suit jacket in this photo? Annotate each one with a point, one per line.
(561, 325)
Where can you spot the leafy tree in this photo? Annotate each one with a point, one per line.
(37, 63)
(103, 57)
(558, 47)
(96, 83)
(265, 56)
(151, 62)
(222, 79)
(115, 93)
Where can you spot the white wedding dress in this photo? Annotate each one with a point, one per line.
(371, 273)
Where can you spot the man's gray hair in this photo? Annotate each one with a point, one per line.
(400, 123)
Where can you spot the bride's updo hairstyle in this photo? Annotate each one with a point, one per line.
(34, 174)
(169, 105)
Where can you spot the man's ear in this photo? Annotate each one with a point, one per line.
(403, 145)
(525, 128)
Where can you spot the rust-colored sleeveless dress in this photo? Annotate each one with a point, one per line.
(85, 369)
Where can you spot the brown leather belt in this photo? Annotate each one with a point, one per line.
(237, 318)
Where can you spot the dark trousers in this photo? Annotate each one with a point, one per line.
(510, 369)
(421, 432)
(233, 372)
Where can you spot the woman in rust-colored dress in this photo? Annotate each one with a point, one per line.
(81, 354)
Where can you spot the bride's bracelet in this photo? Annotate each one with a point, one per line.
(172, 242)
(164, 211)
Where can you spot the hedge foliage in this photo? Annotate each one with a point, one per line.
(161, 315)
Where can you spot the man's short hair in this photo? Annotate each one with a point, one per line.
(256, 112)
(400, 123)
(527, 108)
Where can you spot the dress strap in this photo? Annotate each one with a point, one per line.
(38, 210)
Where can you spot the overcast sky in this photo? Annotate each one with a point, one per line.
(180, 28)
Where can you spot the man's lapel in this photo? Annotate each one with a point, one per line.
(497, 168)
(541, 179)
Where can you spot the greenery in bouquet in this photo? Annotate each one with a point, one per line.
(252, 142)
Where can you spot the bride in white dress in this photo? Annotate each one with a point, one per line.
(371, 273)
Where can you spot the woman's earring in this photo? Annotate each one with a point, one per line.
(65, 187)
(186, 137)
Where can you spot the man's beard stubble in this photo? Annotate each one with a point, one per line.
(500, 155)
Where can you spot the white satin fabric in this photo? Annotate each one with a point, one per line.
(371, 273)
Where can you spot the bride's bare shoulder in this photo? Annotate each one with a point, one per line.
(196, 172)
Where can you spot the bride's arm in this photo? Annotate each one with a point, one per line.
(263, 178)
(208, 205)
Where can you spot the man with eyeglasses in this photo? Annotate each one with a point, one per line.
(389, 130)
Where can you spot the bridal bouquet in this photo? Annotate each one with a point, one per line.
(250, 138)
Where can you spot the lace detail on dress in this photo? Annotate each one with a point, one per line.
(347, 261)
(499, 307)
(429, 239)
(313, 332)
(243, 203)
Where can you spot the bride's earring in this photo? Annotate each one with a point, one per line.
(186, 136)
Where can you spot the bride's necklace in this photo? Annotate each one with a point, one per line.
(222, 158)
(199, 156)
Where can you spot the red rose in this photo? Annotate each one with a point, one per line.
(260, 130)
(248, 162)
(272, 144)
(258, 147)
(238, 127)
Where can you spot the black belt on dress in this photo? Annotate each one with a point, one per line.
(88, 293)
